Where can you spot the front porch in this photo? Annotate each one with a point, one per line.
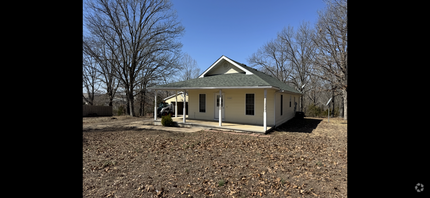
(215, 125)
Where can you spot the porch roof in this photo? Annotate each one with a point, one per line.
(229, 81)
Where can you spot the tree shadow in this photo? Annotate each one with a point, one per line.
(305, 125)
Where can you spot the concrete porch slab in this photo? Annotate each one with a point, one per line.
(214, 125)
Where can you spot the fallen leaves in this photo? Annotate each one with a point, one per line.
(274, 167)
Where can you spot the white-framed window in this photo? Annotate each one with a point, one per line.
(249, 104)
(202, 103)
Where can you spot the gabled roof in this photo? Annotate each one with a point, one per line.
(238, 65)
(252, 79)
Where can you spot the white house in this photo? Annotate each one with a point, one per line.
(233, 92)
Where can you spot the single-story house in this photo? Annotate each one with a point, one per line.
(230, 91)
(179, 97)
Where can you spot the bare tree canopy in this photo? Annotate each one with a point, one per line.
(272, 59)
(189, 68)
(90, 77)
(314, 61)
(103, 58)
(288, 57)
(141, 37)
(331, 42)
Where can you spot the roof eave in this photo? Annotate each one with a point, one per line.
(190, 88)
(290, 92)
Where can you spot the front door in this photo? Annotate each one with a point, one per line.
(217, 106)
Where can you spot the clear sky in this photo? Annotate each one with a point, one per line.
(237, 28)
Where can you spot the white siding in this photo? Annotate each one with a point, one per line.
(224, 67)
(288, 112)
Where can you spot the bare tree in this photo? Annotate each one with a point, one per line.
(300, 51)
(104, 58)
(272, 59)
(140, 34)
(288, 57)
(89, 78)
(331, 43)
(189, 67)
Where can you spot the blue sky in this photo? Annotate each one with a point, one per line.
(237, 28)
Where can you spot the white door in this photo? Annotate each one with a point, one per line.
(217, 106)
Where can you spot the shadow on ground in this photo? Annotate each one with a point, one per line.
(306, 125)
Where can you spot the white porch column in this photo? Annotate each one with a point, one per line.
(274, 109)
(220, 108)
(176, 105)
(185, 102)
(155, 105)
(265, 107)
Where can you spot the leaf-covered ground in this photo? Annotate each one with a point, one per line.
(302, 158)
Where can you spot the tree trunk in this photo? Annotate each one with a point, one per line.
(141, 104)
(341, 108)
(345, 104)
(127, 109)
(332, 103)
(131, 101)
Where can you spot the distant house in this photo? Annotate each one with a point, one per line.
(233, 92)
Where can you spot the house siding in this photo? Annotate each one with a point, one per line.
(224, 67)
(234, 101)
(288, 112)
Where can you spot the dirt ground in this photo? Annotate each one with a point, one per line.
(301, 158)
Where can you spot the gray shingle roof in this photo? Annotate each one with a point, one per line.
(232, 80)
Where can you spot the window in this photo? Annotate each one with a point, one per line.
(281, 104)
(202, 103)
(290, 101)
(249, 109)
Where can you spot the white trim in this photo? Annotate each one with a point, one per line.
(274, 109)
(288, 92)
(245, 104)
(155, 106)
(199, 103)
(230, 61)
(265, 111)
(184, 113)
(220, 107)
(176, 104)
